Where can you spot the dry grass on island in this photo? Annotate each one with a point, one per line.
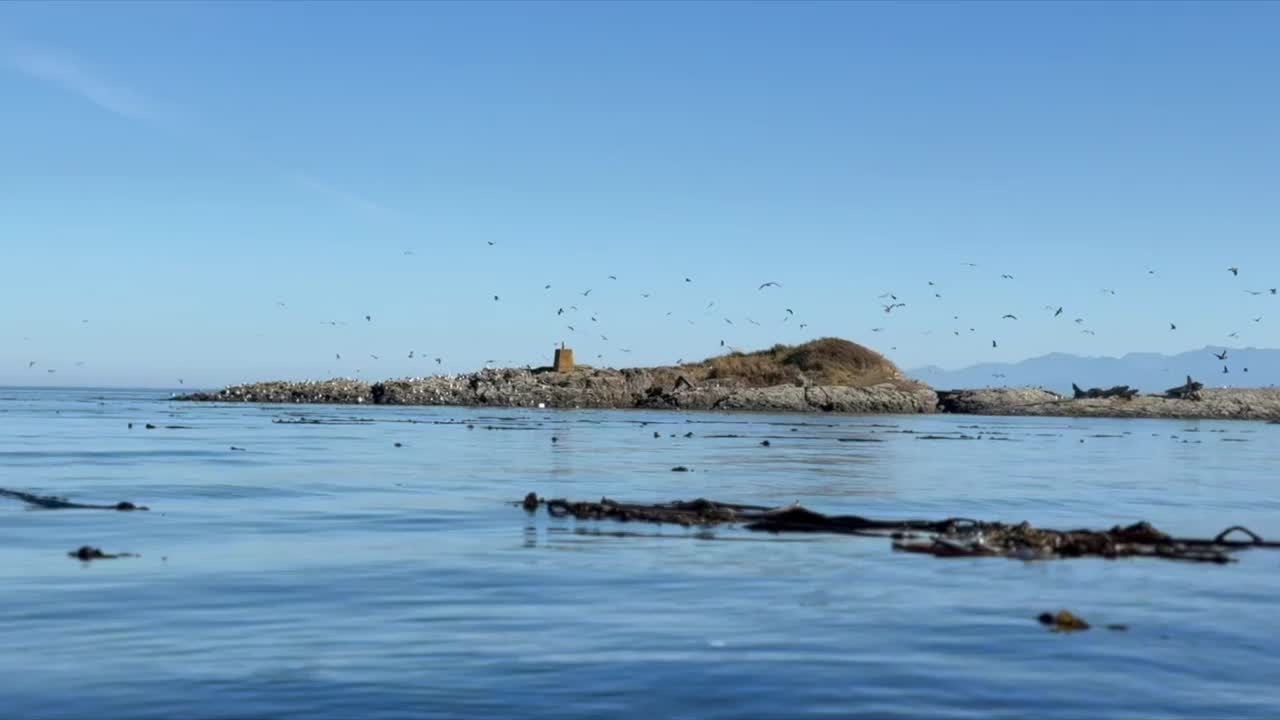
(826, 361)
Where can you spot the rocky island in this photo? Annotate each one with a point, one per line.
(826, 375)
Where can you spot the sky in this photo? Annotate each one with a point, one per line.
(222, 192)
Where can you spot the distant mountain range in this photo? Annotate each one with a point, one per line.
(1149, 372)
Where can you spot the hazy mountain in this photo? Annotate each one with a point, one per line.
(1149, 372)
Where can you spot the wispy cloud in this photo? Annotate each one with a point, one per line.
(346, 196)
(69, 74)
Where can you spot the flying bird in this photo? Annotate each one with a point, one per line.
(877, 329)
(790, 311)
(1224, 370)
(1057, 312)
(1172, 326)
(688, 280)
(1234, 271)
(1255, 292)
(375, 357)
(368, 318)
(993, 344)
(1222, 355)
(560, 311)
(1233, 335)
(727, 320)
(495, 298)
(438, 361)
(613, 277)
(1006, 276)
(491, 243)
(588, 292)
(1258, 319)
(31, 364)
(547, 286)
(889, 308)
(1108, 291)
(1088, 332)
(769, 284)
(1008, 317)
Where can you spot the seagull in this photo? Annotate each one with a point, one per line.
(1224, 370)
(613, 277)
(1057, 312)
(375, 357)
(877, 329)
(1222, 355)
(888, 295)
(1172, 326)
(1008, 317)
(1258, 319)
(495, 298)
(1255, 292)
(491, 243)
(31, 364)
(588, 292)
(804, 325)
(181, 381)
(753, 322)
(790, 311)
(625, 350)
(438, 361)
(1079, 321)
(1234, 335)
(368, 318)
(560, 311)
(410, 354)
(769, 284)
(688, 280)
(571, 328)
(604, 337)
(889, 308)
(1234, 271)
(547, 286)
(1006, 276)
(971, 264)
(993, 344)
(337, 356)
(644, 295)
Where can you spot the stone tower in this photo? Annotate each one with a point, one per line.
(564, 359)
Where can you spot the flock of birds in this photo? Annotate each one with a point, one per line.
(577, 320)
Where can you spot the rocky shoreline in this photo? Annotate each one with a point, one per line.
(665, 389)
(657, 389)
(1209, 404)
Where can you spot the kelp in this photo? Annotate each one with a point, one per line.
(949, 537)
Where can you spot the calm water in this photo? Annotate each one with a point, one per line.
(325, 573)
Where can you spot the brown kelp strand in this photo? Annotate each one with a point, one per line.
(949, 537)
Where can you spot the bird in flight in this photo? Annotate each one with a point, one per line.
(1079, 321)
(1006, 276)
(560, 311)
(375, 357)
(804, 325)
(879, 329)
(1224, 370)
(495, 298)
(613, 277)
(491, 243)
(1057, 312)
(1088, 332)
(1008, 317)
(753, 322)
(1172, 326)
(644, 295)
(1258, 319)
(993, 344)
(971, 264)
(588, 292)
(1234, 335)
(31, 364)
(1108, 291)
(727, 320)
(769, 284)
(889, 308)
(1222, 355)
(1255, 292)
(337, 356)
(688, 280)
(1234, 271)
(410, 354)
(547, 286)
(368, 318)
(790, 311)
(889, 295)
(438, 361)
(571, 328)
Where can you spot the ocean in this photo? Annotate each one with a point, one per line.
(321, 571)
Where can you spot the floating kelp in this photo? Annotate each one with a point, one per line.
(950, 537)
(51, 502)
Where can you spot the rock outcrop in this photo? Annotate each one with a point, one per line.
(1221, 404)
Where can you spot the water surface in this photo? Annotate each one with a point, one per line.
(324, 572)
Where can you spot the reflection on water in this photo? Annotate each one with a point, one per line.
(325, 572)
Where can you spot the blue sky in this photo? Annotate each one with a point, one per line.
(169, 173)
